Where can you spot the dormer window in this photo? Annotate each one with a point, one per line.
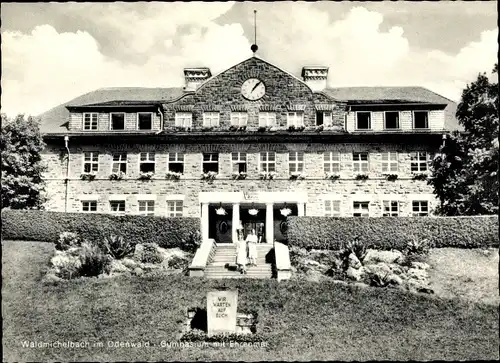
(144, 120)
(117, 121)
(363, 120)
(420, 119)
(391, 120)
(90, 121)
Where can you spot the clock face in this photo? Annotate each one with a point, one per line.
(253, 89)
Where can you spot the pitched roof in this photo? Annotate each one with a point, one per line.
(56, 119)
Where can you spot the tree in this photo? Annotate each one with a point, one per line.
(465, 172)
(21, 145)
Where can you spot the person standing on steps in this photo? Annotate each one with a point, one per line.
(252, 247)
(241, 256)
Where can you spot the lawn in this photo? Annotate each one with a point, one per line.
(298, 320)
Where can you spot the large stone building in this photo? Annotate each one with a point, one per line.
(246, 146)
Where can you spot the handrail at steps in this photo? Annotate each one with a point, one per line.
(202, 257)
(282, 258)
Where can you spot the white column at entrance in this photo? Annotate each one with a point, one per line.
(204, 221)
(269, 223)
(236, 221)
(300, 207)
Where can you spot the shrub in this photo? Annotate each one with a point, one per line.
(192, 242)
(117, 247)
(94, 260)
(177, 262)
(388, 233)
(117, 176)
(87, 176)
(378, 279)
(357, 248)
(146, 176)
(67, 240)
(417, 247)
(150, 254)
(36, 225)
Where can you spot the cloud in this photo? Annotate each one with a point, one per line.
(153, 43)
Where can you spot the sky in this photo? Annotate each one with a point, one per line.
(54, 52)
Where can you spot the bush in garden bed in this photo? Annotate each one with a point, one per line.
(35, 225)
(392, 232)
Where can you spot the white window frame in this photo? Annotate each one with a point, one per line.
(117, 201)
(420, 213)
(122, 160)
(91, 115)
(267, 162)
(82, 209)
(357, 165)
(295, 118)
(293, 159)
(239, 119)
(415, 159)
(369, 122)
(362, 211)
(385, 120)
(241, 159)
(184, 119)
(329, 118)
(94, 161)
(267, 119)
(174, 213)
(210, 161)
(211, 119)
(413, 119)
(148, 159)
(391, 164)
(387, 208)
(329, 161)
(146, 203)
(111, 120)
(328, 207)
(178, 158)
(144, 113)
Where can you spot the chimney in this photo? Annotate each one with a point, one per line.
(195, 76)
(315, 77)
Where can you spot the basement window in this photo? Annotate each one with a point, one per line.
(117, 206)
(144, 120)
(89, 206)
(174, 208)
(390, 208)
(117, 121)
(392, 120)
(360, 209)
(420, 208)
(332, 208)
(147, 207)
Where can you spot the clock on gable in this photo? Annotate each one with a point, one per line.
(253, 89)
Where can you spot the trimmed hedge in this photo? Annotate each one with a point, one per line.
(35, 225)
(392, 232)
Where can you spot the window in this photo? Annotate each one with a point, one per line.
(323, 118)
(117, 206)
(360, 209)
(174, 208)
(239, 118)
(392, 120)
(144, 120)
(331, 162)
(117, 121)
(295, 162)
(183, 119)
(332, 208)
(147, 162)
(267, 119)
(420, 119)
(389, 161)
(420, 208)
(360, 162)
(267, 161)
(239, 162)
(295, 119)
(210, 119)
(210, 162)
(419, 161)
(90, 121)
(119, 163)
(90, 162)
(363, 120)
(176, 162)
(390, 208)
(89, 206)
(147, 207)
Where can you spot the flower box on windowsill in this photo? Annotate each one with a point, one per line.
(240, 176)
(419, 176)
(298, 176)
(267, 176)
(293, 128)
(237, 128)
(117, 176)
(146, 176)
(87, 176)
(172, 175)
(361, 177)
(182, 128)
(319, 128)
(391, 177)
(208, 128)
(211, 175)
(332, 176)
